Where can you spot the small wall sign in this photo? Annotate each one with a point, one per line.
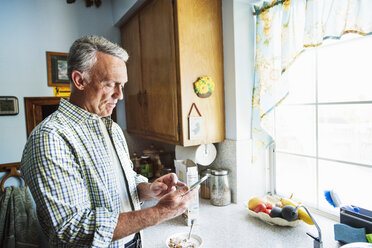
(195, 125)
(62, 91)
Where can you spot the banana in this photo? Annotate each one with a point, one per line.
(302, 215)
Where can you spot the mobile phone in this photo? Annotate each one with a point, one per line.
(199, 182)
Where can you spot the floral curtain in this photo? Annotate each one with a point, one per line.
(284, 28)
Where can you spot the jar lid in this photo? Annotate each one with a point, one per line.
(145, 156)
(220, 172)
(206, 172)
(150, 151)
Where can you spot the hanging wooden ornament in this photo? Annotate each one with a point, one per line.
(204, 86)
(195, 124)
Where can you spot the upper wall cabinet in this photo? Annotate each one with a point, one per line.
(170, 45)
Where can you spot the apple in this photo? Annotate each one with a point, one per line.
(255, 201)
(261, 208)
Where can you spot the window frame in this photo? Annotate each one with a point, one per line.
(273, 151)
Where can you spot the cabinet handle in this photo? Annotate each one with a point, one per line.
(139, 98)
(145, 98)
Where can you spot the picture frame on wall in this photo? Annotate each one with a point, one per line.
(8, 105)
(57, 69)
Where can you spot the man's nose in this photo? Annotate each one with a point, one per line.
(118, 94)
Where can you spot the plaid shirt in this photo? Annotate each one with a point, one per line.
(67, 165)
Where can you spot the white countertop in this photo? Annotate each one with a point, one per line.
(231, 227)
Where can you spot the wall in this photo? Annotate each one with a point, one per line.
(247, 179)
(28, 29)
(121, 8)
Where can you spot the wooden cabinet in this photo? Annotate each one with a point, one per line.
(133, 89)
(171, 44)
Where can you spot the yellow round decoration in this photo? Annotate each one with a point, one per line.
(204, 86)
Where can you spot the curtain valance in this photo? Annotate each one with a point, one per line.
(284, 28)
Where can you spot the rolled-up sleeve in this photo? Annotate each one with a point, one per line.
(62, 197)
(140, 179)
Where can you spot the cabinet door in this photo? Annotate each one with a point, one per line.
(159, 78)
(37, 109)
(130, 39)
(199, 26)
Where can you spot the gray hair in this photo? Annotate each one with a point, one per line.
(82, 54)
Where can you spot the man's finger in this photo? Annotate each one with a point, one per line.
(174, 178)
(180, 184)
(194, 189)
(183, 190)
(159, 185)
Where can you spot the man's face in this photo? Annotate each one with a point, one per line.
(107, 77)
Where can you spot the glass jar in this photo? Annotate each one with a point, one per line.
(205, 186)
(136, 160)
(157, 166)
(146, 167)
(220, 188)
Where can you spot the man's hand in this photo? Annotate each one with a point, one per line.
(169, 206)
(159, 188)
(175, 202)
(164, 185)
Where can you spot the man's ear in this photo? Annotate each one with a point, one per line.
(78, 80)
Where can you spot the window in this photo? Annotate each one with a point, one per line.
(323, 129)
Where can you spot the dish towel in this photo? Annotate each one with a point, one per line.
(348, 234)
(18, 222)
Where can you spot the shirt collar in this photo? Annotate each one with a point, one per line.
(78, 114)
(75, 112)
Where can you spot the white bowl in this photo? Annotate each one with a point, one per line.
(181, 236)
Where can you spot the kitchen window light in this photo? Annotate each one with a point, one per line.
(323, 129)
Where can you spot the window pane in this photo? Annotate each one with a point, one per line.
(352, 183)
(339, 71)
(295, 129)
(344, 71)
(301, 79)
(297, 175)
(345, 132)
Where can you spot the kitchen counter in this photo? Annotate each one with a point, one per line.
(231, 226)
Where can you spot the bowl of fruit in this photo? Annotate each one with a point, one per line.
(278, 211)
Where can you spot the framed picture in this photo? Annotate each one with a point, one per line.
(8, 105)
(195, 127)
(57, 69)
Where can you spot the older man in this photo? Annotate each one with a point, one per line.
(77, 163)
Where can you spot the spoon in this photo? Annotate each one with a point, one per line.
(192, 224)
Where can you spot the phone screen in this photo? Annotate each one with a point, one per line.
(199, 182)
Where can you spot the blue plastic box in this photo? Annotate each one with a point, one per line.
(359, 220)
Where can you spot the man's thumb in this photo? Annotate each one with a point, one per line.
(183, 190)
